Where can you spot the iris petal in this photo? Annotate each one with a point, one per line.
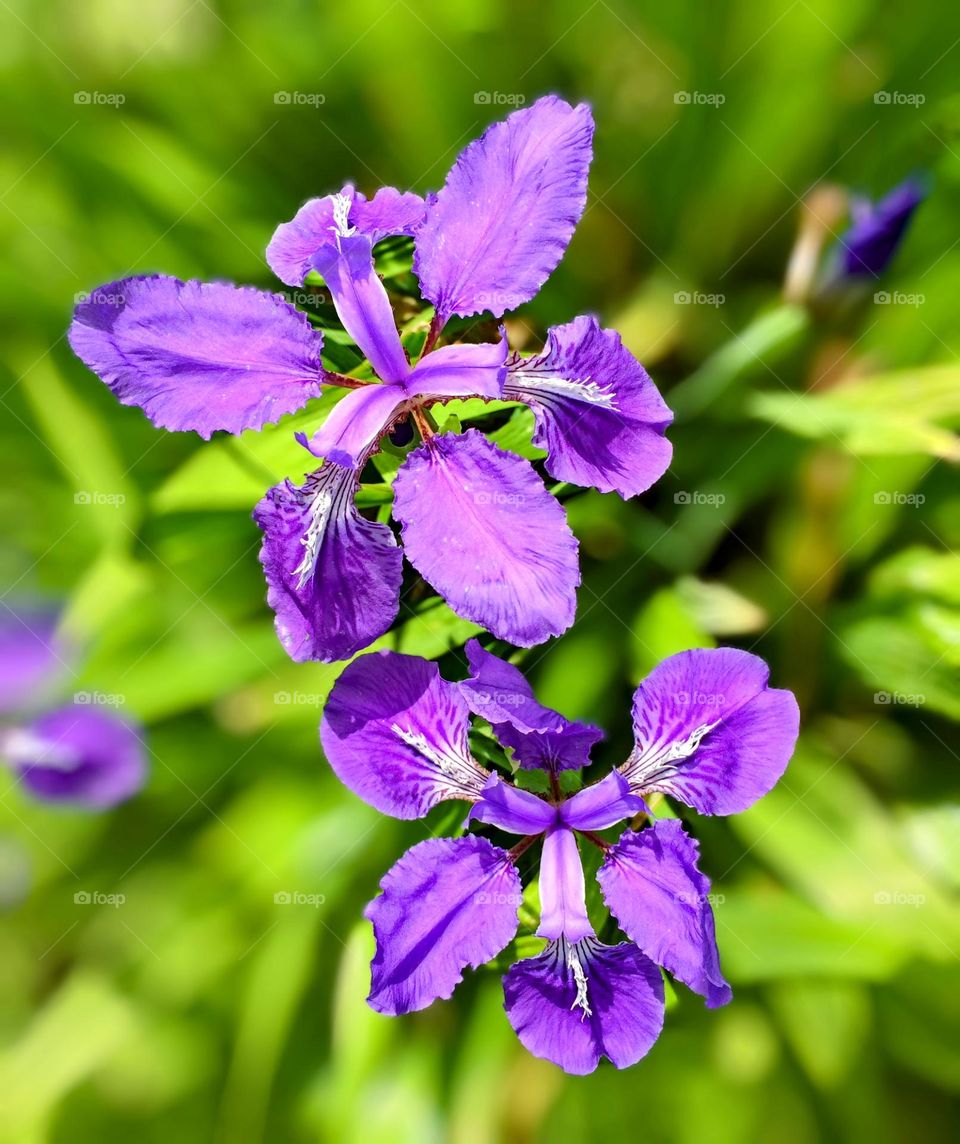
(710, 732)
(576, 1003)
(199, 355)
(653, 886)
(396, 735)
(480, 527)
(508, 208)
(449, 903)
(333, 577)
(599, 416)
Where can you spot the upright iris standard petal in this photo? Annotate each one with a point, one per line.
(710, 732)
(32, 655)
(77, 755)
(599, 416)
(362, 304)
(601, 804)
(396, 735)
(878, 229)
(509, 206)
(333, 577)
(512, 809)
(447, 904)
(577, 1003)
(538, 736)
(498, 691)
(199, 355)
(462, 370)
(653, 887)
(480, 527)
(317, 223)
(563, 906)
(355, 424)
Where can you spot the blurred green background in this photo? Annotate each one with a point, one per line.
(812, 513)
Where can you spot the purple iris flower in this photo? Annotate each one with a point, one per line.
(477, 522)
(877, 229)
(77, 754)
(709, 732)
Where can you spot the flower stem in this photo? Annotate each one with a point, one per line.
(521, 846)
(342, 379)
(595, 839)
(432, 334)
(423, 422)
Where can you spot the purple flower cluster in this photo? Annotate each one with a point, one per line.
(477, 522)
(708, 732)
(74, 754)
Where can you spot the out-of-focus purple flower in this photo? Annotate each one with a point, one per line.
(877, 229)
(477, 522)
(76, 754)
(709, 732)
(32, 655)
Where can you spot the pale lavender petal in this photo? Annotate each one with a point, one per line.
(601, 804)
(32, 656)
(710, 732)
(333, 577)
(78, 756)
(318, 222)
(499, 693)
(480, 527)
(512, 809)
(449, 903)
(653, 887)
(599, 416)
(389, 212)
(574, 1004)
(362, 304)
(509, 207)
(355, 424)
(563, 905)
(462, 370)
(538, 736)
(199, 355)
(396, 735)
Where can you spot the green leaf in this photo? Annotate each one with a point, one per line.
(906, 412)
